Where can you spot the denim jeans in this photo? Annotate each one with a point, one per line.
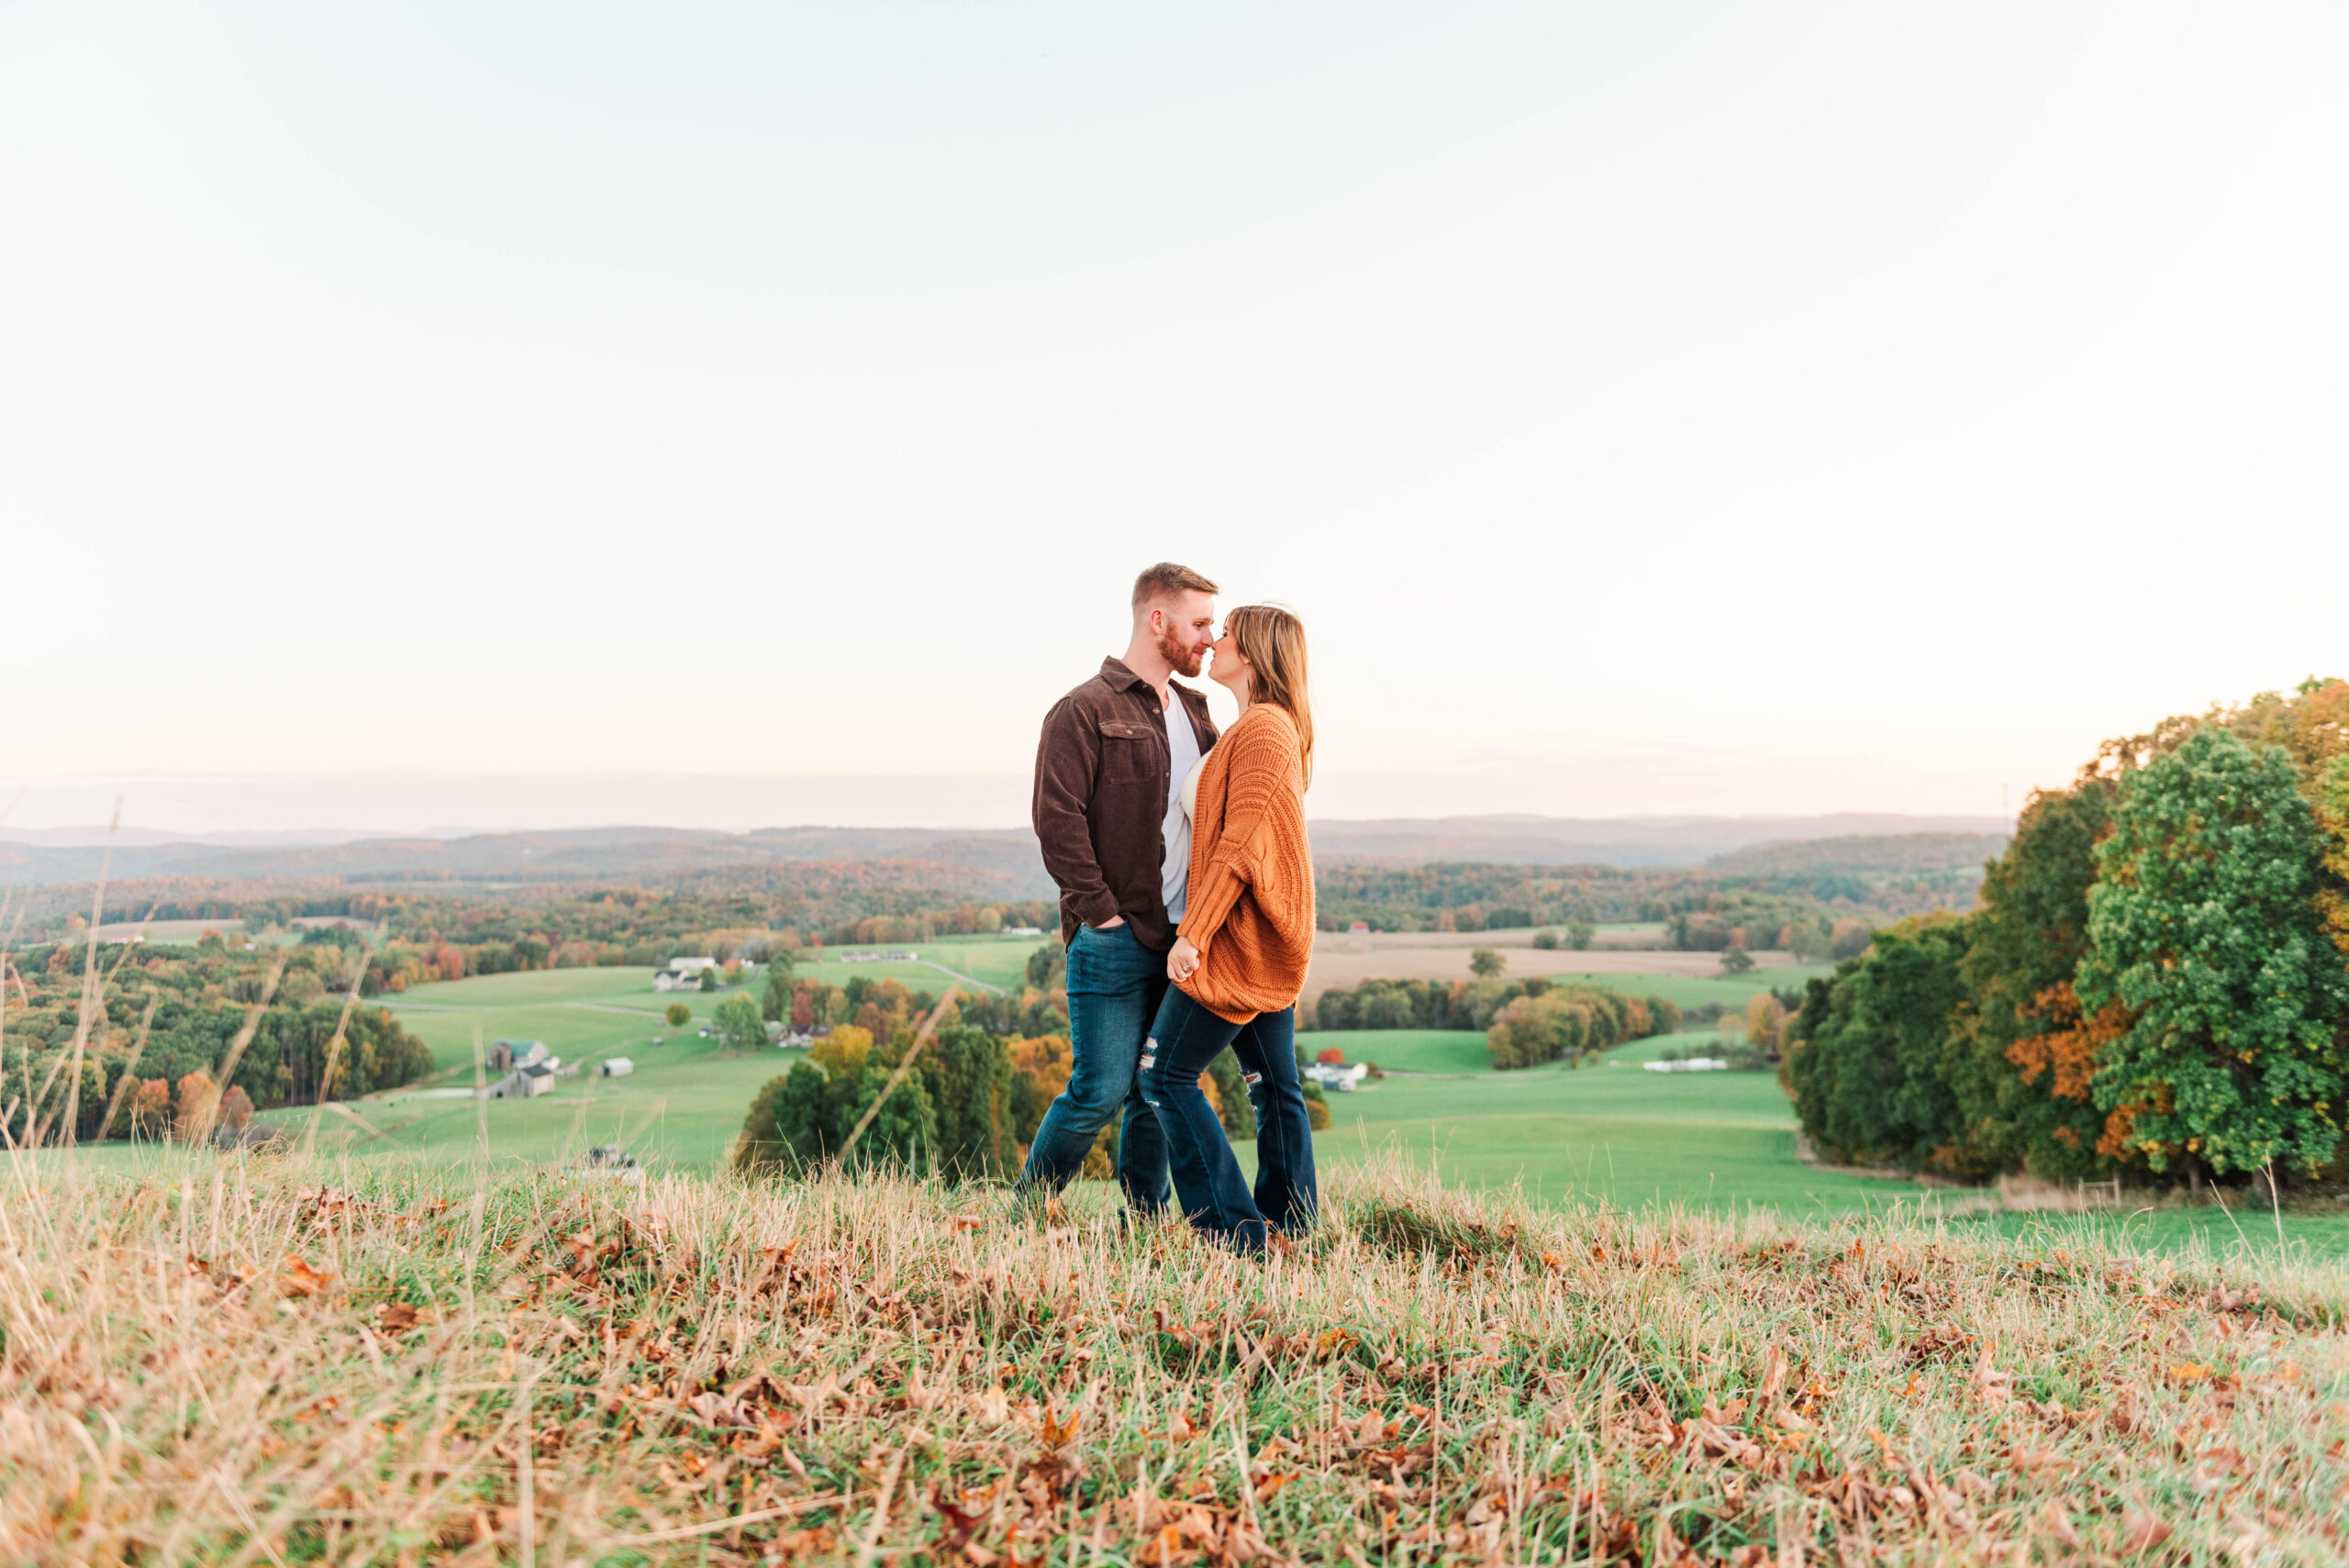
(1114, 984)
(1287, 1195)
(1207, 1182)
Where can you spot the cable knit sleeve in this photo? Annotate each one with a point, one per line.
(1264, 760)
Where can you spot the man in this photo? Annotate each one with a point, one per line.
(1108, 812)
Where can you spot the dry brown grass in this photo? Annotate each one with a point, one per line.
(209, 1361)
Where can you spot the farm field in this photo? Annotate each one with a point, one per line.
(1715, 1141)
(999, 962)
(1695, 990)
(1348, 961)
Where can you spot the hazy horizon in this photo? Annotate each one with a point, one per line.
(93, 835)
(508, 413)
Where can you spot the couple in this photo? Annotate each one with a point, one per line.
(1186, 903)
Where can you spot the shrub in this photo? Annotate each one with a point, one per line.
(678, 1015)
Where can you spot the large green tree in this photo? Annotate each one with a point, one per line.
(2203, 926)
(1866, 1058)
(804, 1117)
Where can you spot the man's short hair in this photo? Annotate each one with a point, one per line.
(1165, 580)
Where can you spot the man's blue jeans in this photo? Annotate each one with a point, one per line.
(1115, 985)
(1207, 1182)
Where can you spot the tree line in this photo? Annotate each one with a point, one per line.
(159, 1038)
(2155, 983)
(1525, 1022)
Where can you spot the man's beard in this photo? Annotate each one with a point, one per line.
(1181, 652)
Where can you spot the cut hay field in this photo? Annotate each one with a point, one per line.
(1348, 961)
(207, 1359)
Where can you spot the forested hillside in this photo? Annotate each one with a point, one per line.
(1796, 895)
(176, 1038)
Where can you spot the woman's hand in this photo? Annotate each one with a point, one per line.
(1182, 960)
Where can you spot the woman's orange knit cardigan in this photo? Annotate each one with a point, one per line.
(1250, 910)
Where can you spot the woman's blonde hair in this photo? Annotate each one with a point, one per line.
(1273, 641)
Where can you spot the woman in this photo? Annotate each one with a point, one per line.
(1238, 958)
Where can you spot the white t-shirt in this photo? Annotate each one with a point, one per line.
(1183, 755)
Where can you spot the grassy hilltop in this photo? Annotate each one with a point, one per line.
(214, 1360)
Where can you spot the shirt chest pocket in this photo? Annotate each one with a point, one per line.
(1130, 750)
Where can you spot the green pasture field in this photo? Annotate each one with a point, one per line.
(999, 962)
(1722, 1141)
(1614, 1133)
(683, 1104)
(1408, 1050)
(1696, 990)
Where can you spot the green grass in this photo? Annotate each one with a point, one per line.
(1696, 990)
(1712, 1140)
(999, 962)
(1408, 1050)
(681, 1108)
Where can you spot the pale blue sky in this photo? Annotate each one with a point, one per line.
(507, 414)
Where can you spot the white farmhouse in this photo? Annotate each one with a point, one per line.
(683, 974)
(1331, 1075)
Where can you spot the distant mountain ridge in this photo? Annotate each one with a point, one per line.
(621, 853)
(49, 856)
(1876, 853)
(1629, 841)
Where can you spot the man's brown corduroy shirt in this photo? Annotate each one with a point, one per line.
(1100, 806)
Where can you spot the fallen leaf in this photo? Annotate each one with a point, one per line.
(2144, 1533)
(301, 1279)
